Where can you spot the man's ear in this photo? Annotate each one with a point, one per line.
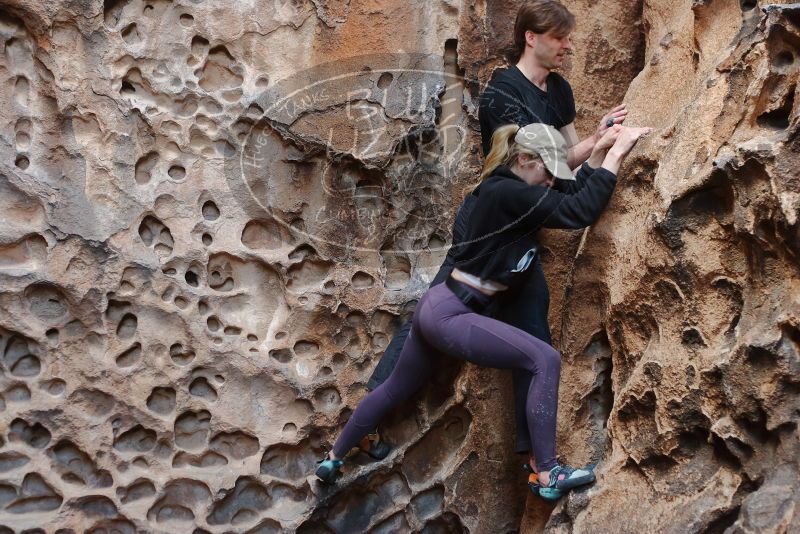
(530, 38)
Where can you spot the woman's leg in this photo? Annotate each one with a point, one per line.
(413, 369)
(526, 308)
(449, 326)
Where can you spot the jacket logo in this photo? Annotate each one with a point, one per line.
(525, 261)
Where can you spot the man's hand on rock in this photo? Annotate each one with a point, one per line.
(615, 116)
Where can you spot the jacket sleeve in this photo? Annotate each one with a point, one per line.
(581, 178)
(459, 235)
(543, 207)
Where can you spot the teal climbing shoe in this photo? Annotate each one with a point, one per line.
(550, 494)
(328, 470)
(564, 478)
(374, 446)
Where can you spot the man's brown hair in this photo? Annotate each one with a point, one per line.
(539, 16)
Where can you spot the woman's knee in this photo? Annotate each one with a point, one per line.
(553, 360)
(546, 359)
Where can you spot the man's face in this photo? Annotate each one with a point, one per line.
(550, 49)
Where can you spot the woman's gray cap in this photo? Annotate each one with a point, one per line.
(550, 145)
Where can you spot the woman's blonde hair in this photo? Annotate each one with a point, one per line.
(504, 149)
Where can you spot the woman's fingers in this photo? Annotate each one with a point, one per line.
(628, 138)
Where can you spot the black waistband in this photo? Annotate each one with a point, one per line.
(476, 303)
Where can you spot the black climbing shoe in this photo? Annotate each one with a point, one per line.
(374, 446)
(328, 470)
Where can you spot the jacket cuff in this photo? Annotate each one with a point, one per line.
(602, 172)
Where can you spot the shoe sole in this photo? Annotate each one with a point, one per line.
(575, 482)
(550, 494)
(381, 452)
(326, 475)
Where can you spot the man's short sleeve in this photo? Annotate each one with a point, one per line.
(567, 101)
(499, 105)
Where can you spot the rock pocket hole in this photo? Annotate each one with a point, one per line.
(784, 59)
(192, 279)
(177, 173)
(328, 399)
(281, 355)
(162, 400)
(213, 324)
(35, 435)
(127, 326)
(210, 211)
(385, 80)
(691, 337)
(22, 162)
(112, 11)
(55, 387)
(192, 429)
(306, 348)
(18, 393)
(748, 5)
(237, 445)
(779, 118)
(201, 388)
(130, 34)
(145, 164)
(130, 356)
(19, 360)
(180, 355)
(137, 439)
(362, 280)
(232, 331)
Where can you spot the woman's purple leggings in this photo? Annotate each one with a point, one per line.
(442, 323)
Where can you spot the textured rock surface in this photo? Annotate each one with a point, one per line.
(214, 215)
(680, 323)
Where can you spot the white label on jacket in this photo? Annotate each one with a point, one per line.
(525, 261)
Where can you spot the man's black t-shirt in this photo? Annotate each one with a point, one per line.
(511, 98)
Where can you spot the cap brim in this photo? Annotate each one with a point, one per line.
(560, 170)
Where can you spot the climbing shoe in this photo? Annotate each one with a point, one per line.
(564, 478)
(550, 494)
(533, 478)
(328, 470)
(374, 446)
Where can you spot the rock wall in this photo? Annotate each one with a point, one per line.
(680, 322)
(215, 214)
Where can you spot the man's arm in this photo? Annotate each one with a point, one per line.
(578, 151)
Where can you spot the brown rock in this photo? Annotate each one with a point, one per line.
(215, 215)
